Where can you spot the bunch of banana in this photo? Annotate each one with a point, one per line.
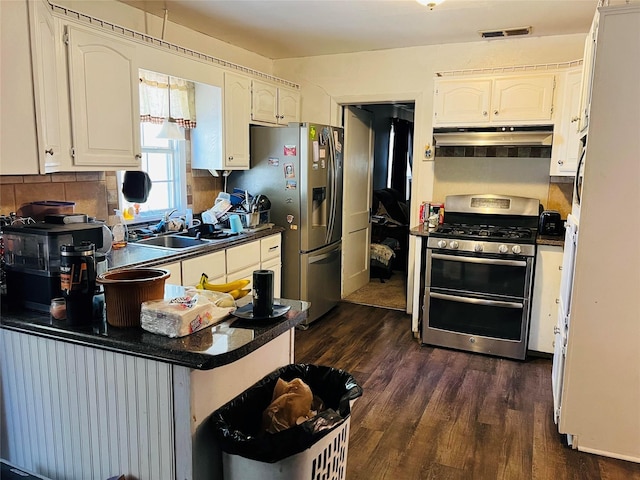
(235, 289)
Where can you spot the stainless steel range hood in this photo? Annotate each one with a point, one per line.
(493, 136)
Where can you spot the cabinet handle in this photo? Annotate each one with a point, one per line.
(271, 249)
(230, 158)
(138, 156)
(50, 151)
(574, 119)
(560, 162)
(495, 112)
(485, 113)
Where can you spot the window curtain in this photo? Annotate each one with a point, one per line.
(158, 102)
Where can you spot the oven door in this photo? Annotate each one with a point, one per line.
(477, 303)
(478, 274)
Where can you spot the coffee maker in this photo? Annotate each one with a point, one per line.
(32, 259)
(78, 280)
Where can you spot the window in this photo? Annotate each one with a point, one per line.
(164, 161)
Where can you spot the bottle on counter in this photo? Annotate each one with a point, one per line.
(120, 232)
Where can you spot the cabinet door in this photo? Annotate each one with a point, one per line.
(264, 102)
(49, 85)
(461, 101)
(288, 106)
(566, 142)
(18, 149)
(213, 264)
(237, 113)
(522, 98)
(242, 257)
(105, 108)
(544, 306)
(176, 273)
(588, 68)
(246, 274)
(275, 266)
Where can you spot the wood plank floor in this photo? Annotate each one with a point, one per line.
(433, 413)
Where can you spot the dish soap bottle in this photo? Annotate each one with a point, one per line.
(119, 232)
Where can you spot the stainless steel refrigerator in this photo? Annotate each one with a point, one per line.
(299, 168)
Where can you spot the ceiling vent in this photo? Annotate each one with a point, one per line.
(507, 32)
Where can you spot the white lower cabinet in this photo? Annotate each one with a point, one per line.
(176, 273)
(242, 261)
(276, 267)
(213, 264)
(234, 263)
(271, 259)
(546, 291)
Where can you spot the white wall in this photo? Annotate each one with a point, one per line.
(407, 74)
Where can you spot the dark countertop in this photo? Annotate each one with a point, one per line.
(556, 241)
(139, 255)
(211, 347)
(421, 230)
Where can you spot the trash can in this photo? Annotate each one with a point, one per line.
(316, 448)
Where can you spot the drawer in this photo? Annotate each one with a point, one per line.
(213, 264)
(270, 247)
(243, 256)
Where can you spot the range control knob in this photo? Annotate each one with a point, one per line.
(442, 244)
(454, 245)
(516, 249)
(503, 248)
(478, 247)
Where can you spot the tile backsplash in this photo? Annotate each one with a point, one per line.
(94, 193)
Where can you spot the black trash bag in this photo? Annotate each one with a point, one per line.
(237, 424)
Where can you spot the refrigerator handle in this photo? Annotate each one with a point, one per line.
(331, 184)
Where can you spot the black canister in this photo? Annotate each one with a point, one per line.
(262, 293)
(78, 281)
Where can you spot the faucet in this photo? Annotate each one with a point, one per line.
(168, 214)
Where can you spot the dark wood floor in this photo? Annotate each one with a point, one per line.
(433, 413)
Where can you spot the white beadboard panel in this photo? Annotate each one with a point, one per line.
(73, 412)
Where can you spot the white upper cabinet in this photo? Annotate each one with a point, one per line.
(275, 105)
(49, 74)
(18, 135)
(502, 100)
(105, 105)
(221, 139)
(237, 113)
(462, 102)
(589, 61)
(566, 136)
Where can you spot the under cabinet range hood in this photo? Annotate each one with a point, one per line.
(493, 136)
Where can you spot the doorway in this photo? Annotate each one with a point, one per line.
(391, 180)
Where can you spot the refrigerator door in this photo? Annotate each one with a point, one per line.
(320, 186)
(320, 279)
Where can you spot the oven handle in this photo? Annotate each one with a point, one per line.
(476, 301)
(487, 261)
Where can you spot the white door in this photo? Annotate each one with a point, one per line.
(358, 169)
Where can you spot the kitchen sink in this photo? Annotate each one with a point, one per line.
(173, 242)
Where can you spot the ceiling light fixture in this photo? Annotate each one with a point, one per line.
(430, 3)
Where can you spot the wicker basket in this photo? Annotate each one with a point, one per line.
(126, 289)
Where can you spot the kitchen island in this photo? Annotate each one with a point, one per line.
(97, 401)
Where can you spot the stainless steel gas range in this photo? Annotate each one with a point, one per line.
(478, 275)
